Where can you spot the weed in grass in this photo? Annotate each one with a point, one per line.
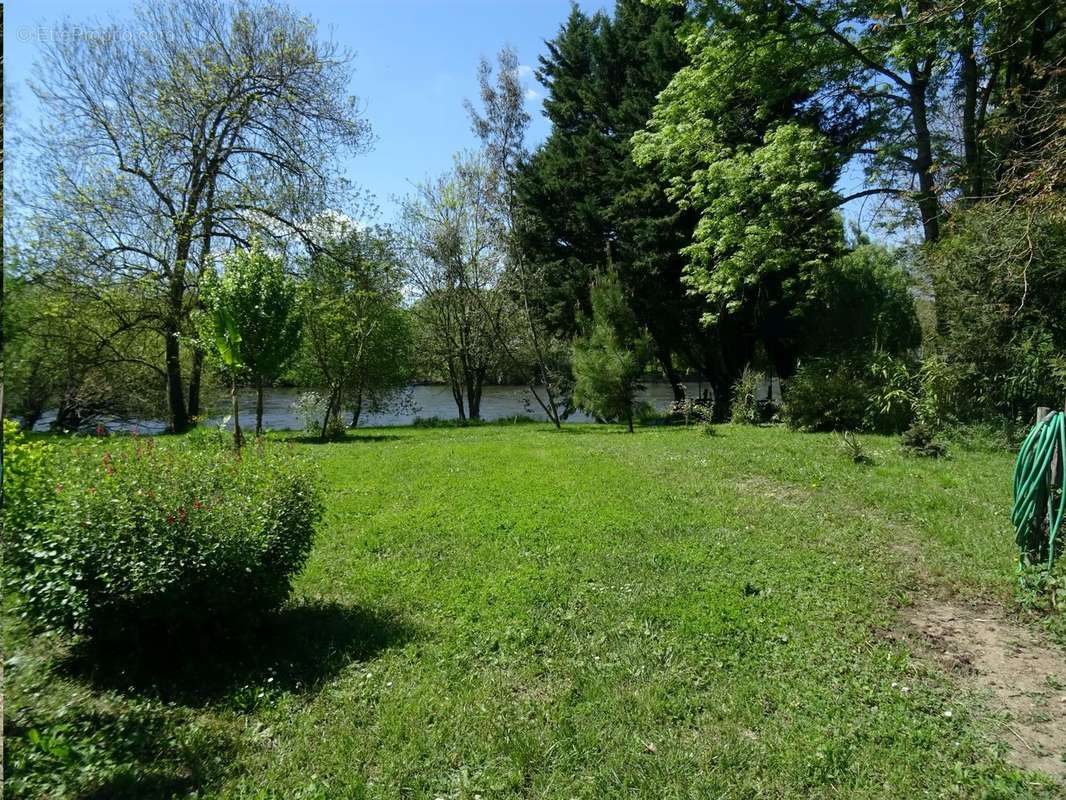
(854, 449)
(921, 440)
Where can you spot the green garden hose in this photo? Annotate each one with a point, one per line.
(1035, 499)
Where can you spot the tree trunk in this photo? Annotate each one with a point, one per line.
(971, 150)
(722, 390)
(237, 438)
(258, 405)
(666, 359)
(179, 416)
(548, 406)
(457, 391)
(928, 204)
(553, 407)
(474, 382)
(357, 408)
(629, 417)
(205, 255)
(194, 383)
(332, 409)
(470, 384)
(68, 418)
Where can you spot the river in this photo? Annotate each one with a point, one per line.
(497, 402)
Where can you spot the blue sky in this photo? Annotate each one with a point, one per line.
(415, 63)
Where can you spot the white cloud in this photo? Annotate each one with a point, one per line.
(528, 81)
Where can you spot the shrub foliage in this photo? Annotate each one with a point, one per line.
(137, 536)
(870, 392)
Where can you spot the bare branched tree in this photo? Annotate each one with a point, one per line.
(201, 120)
(454, 269)
(501, 125)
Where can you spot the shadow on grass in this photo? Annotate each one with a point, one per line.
(348, 438)
(143, 750)
(295, 649)
(600, 428)
(160, 722)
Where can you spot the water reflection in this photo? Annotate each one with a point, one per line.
(497, 402)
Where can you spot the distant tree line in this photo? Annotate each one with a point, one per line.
(684, 217)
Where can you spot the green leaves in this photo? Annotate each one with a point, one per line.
(130, 534)
(357, 345)
(227, 338)
(252, 311)
(611, 356)
(737, 146)
(766, 215)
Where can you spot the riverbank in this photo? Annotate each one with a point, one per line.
(520, 612)
(423, 401)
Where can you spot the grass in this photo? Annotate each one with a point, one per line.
(511, 611)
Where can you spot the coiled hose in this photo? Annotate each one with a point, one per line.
(1035, 499)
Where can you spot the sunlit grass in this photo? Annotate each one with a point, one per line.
(518, 612)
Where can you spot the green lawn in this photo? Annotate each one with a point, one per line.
(511, 611)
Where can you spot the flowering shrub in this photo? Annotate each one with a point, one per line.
(138, 536)
(28, 483)
(309, 408)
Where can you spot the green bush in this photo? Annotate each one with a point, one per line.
(871, 392)
(907, 391)
(827, 395)
(999, 274)
(920, 440)
(749, 405)
(698, 412)
(139, 537)
(28, 480)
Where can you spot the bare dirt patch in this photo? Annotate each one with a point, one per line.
(760, 485)
(1024, 675)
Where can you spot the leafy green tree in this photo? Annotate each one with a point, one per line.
(1001, 307)
(744, 144)
(386, 369)
(61, 353)
(532, 348)
(930, 96)
(581, 190)
(261, 300)
(356, 341)
(226, 348)
(766, 220)
(610, 357)
(216, 121)
(861, 303)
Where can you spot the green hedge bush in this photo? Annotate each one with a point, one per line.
(143, 537)
(847, 394)
(826, 395)
(750, 405)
